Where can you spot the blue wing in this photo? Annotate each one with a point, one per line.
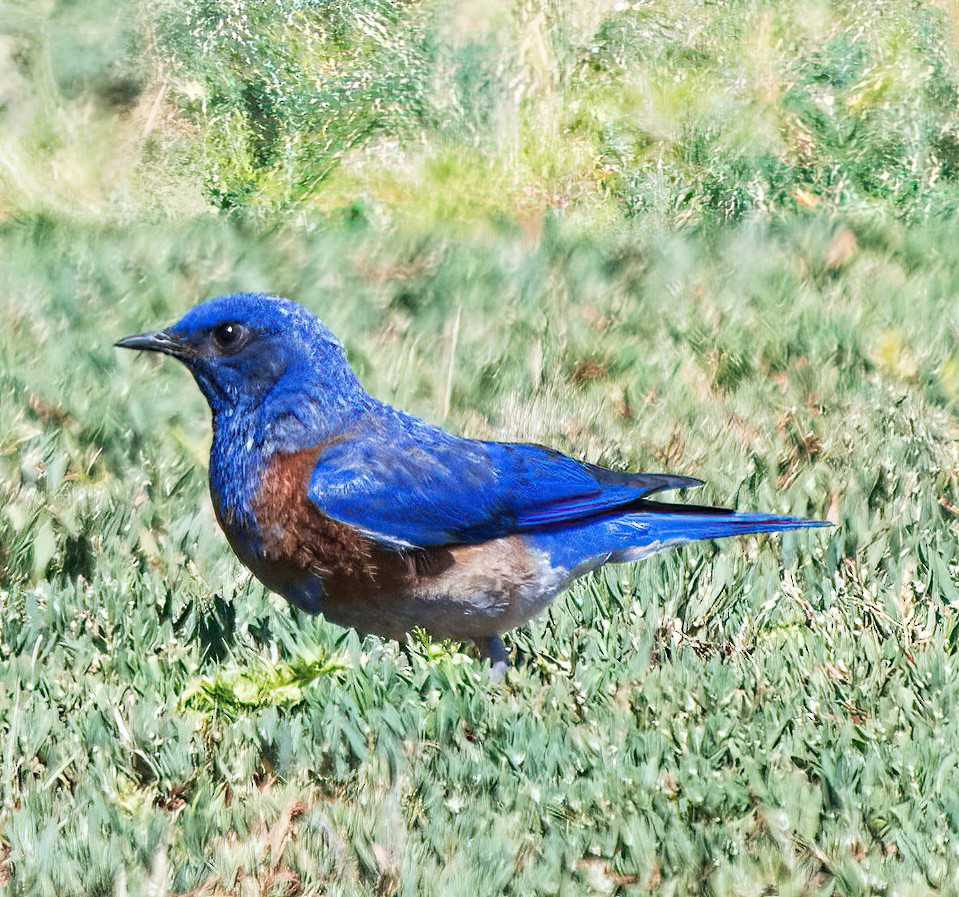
(409, 484)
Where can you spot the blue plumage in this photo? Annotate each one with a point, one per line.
(384, 522)
(410, 484)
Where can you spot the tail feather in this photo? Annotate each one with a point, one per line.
(667, 530)
(651, 527)
(703, 522)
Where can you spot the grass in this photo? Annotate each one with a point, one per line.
(717, 239)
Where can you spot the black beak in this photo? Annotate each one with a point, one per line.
(158, 341)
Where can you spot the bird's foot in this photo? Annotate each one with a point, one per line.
(493, 650)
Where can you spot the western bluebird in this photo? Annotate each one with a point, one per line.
(380, 521)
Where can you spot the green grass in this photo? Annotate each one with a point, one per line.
(718, 239)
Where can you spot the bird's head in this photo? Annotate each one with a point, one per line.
(249, 350)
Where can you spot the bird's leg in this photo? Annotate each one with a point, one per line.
(493, 650)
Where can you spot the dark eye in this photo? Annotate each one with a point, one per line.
(229, 338)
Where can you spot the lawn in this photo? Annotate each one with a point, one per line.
(711, 238)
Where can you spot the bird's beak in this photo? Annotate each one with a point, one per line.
(158, 341)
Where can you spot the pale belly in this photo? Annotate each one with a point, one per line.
(486, 590)
(461, 592)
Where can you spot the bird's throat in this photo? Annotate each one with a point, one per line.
(236, 461)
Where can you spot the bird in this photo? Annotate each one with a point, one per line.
(381, 521)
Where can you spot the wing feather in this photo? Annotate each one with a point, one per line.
(408, 484)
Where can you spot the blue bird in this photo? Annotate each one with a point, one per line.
(348, 507)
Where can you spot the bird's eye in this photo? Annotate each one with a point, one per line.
(229, 338)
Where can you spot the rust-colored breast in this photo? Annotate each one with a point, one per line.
(325, 565)
(294, 533)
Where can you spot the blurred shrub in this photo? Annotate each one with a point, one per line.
(768, 109)
(285, 89)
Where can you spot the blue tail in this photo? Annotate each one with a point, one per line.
(652, 527)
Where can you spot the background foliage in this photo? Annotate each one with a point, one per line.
(715, 238)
